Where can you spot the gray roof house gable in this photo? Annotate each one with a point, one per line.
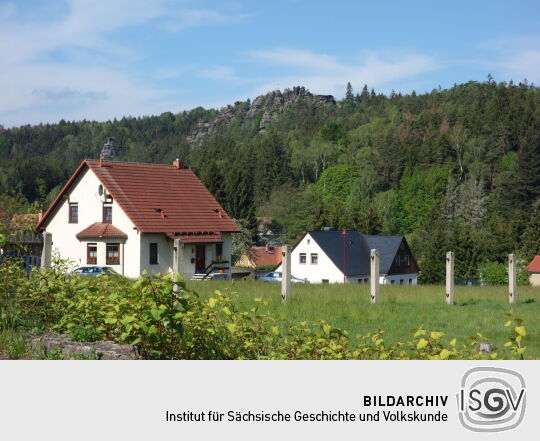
(358, 249)
(388, 247)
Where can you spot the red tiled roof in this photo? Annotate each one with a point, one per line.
(261, 257)
(534, 265)
(157, 198)
(99, 229)
(197, 238)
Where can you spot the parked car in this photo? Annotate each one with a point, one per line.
(93, 271)
(276, 277)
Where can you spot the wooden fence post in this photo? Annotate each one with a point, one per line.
(450, 277)
(374, 276)
(285, 273)
(512, 294)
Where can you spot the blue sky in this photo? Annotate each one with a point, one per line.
(96, 60)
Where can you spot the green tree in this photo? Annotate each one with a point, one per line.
(335, 182)
(530, 244)
(349, 95)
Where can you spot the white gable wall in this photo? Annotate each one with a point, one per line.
(85, 192)
(325, 269)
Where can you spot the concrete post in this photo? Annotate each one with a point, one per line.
(178, 260)
(285, 273)
(512, 273)
(450, 277)
(374, 276)
(47, 250)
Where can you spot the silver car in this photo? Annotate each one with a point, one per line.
(276, 277)
(93, 271)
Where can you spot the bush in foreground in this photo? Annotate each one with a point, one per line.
(165, 320)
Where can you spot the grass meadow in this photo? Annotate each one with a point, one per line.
(400, 311)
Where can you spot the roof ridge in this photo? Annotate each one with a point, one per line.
(135, 163)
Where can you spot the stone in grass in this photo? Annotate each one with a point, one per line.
(106, 350)
(486, 347)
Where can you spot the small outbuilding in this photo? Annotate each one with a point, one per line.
(534, 268)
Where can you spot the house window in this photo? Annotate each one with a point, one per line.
(219, 249)
(392, 282)
(325, 281)
(107, 214)
(398, 260)
(153, 253)
(406, 259)
(302, 257)
(401, 281)
(314, 258)
(73, 213)
(410, 281)
(113, 254)
(91, 254)
(366, 280)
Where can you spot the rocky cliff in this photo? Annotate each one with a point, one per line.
(266, 107)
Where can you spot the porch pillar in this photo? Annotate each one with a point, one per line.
(47, 250)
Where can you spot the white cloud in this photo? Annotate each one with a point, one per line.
(186, 19)
(325, 74)
(71, 67)
(511, 58)
(525, 64)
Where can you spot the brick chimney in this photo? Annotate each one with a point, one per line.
(178, 164)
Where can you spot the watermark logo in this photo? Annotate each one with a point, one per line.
(491, 399)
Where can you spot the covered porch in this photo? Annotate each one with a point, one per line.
(201, 256)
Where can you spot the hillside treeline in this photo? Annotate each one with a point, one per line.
(452, 169)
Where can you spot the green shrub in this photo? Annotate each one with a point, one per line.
(165, 320)
(495, 273)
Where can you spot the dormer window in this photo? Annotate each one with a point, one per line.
(107, 214)
(73, 212)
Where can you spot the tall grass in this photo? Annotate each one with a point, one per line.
(400, 311)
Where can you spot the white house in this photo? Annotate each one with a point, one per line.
(333, 257)
(135, 217)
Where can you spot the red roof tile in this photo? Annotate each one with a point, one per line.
(261, 256)
(157, 198)
(534, 265)
(101, 230)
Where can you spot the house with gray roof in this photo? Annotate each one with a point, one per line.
(332, 256)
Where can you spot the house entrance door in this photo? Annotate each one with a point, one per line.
(200, 259)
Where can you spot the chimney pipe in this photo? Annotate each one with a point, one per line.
(178, 164)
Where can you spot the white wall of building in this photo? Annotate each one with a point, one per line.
(90, 204)
(325, 269)
(165, 253)
(400, 279)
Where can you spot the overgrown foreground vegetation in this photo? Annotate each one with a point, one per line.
(219, 325)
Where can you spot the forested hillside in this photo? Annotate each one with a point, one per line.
(452, 169)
